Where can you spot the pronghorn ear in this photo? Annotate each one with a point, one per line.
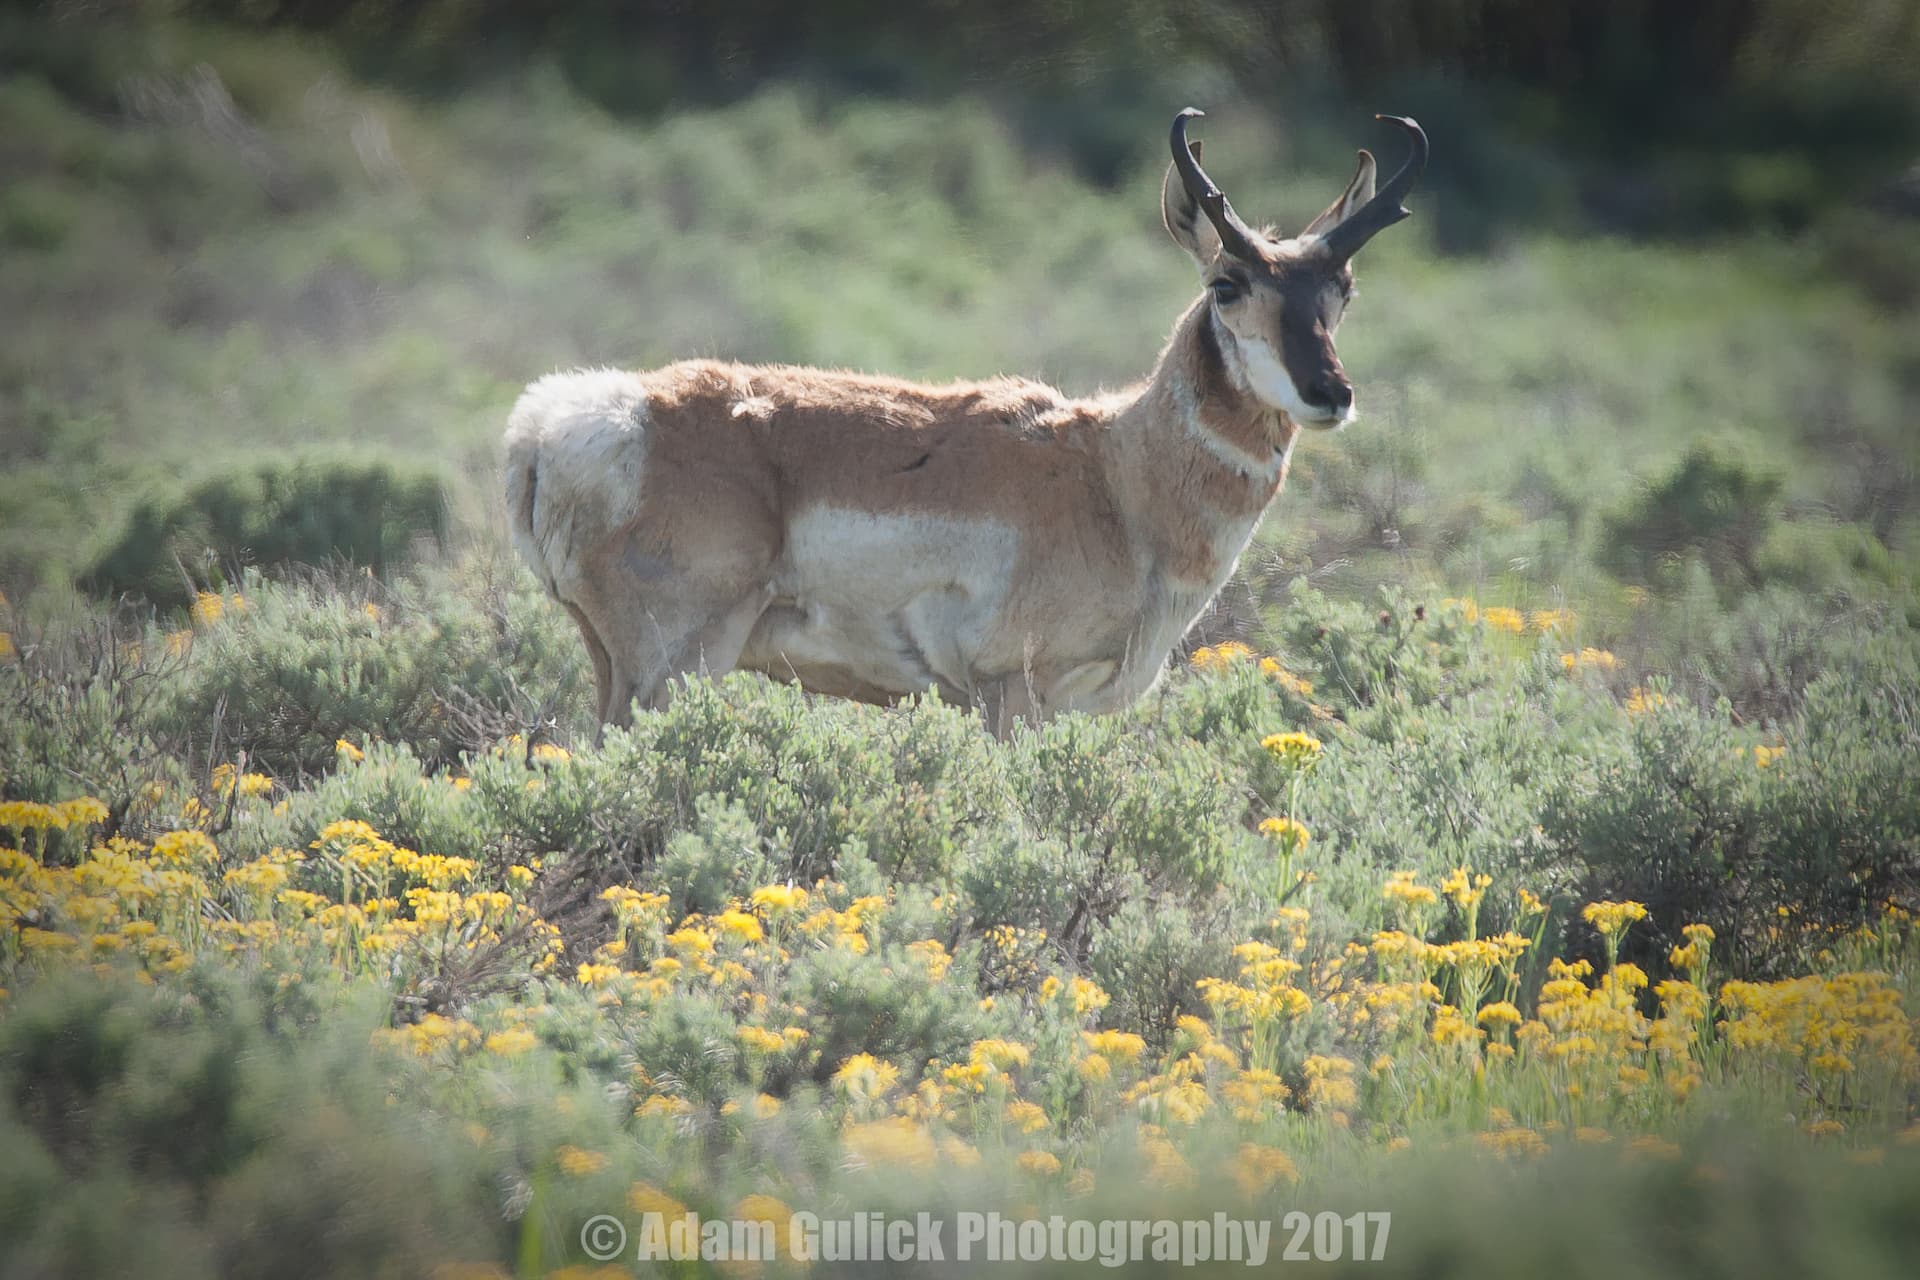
(1358, 192)
(1187, 225)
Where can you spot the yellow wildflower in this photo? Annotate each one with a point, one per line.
(1003, 1054)
(759, 1039)
(1297, 750)
(1513, 1143)
(1259, 1167)
(1123, 1045)
(1500, 1012)
(779, 899)
(1026, 1116)
(1285, 832)
(1041, 1163)
(895, 1140)
(1612, 917)
(512, 1042)
(1501, 618)
(864, 1077)
(644, 1198)
(1640, 701)
(740, 925)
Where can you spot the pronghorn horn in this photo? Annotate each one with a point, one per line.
(1235, 236)
(1385, 208)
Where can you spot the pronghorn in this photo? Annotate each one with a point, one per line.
(1017, 550)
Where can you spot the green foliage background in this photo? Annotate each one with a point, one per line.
(1646, 331)
(1648, 354)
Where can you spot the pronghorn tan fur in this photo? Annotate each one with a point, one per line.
(1020, 551)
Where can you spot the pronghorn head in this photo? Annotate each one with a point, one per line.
(1279, 301)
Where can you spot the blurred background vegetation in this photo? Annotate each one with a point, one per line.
(1643, 369)
(1650, 347)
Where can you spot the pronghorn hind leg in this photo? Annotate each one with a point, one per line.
(677, 630)
(715, 649)
(667, 613)
(637, 634)
(602, 664)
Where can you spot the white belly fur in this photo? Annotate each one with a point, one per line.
(897, 602)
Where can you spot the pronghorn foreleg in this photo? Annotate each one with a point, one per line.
(1008, 701)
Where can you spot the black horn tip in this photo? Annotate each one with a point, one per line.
(1386, 207)
(1180, 126)
(1412, 127)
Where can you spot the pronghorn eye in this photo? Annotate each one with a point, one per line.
(1227, 289)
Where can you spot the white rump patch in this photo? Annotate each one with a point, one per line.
(559, 402)
(576, 445)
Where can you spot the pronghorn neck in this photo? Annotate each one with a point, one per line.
(1198, 456)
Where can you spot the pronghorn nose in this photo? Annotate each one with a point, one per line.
(1333, 393)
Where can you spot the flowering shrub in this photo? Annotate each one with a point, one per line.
(761, 950)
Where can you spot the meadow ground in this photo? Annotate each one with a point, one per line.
(1525, 847)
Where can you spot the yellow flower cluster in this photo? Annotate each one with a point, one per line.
(23, 816)
(1501, 618)
(1438, 1011)
(1514, 621)
(1612, 917)
(1296, 750)
(1230, 654)
(1640, 701)
(1285, 833)
(1219, 657)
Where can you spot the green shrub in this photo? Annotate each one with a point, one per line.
(825, 781)
(1666, 816)
(722, 859)
(35, 216)
(439, 666)
(1372, 665)
(1133, 812)
(1714, 503)
(1842, 817)
(1779, 854)
(79, 716)
(1454, 785)
(1151, 953)
(224, 1129)
(274, 515)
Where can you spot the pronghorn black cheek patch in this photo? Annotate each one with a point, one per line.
(1306, 345)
